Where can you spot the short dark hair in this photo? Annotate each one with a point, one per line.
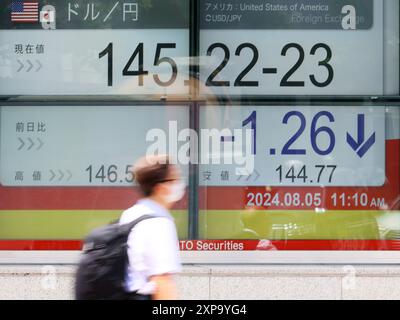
(150, 171)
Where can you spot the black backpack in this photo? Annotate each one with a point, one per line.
(102, 267)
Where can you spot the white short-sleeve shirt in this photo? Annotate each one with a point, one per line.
(153, 247)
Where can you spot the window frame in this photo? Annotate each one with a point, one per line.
(8, 257)
(205, 258)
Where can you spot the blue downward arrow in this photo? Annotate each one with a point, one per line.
(361, 145)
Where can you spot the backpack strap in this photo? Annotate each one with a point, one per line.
(127, 228)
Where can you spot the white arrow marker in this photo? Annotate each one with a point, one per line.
(30, 66)
(39, 64)
(52, 175)
(69, 175)
(22, 143)
(252, 175)
(32, 143)
(21, 65)
(40, 144)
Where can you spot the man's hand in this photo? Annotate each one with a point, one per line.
(165, 287)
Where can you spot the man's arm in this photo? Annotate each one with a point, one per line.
(162, 257)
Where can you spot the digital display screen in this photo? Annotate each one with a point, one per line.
(297, 146)
(312, 187)
(107, 48)
(65, 170)
(283, 116)
(79, 146)
(302, 47)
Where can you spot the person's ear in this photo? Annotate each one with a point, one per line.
(160, 188)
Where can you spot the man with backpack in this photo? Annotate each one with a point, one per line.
(153, 247)
(137, 258)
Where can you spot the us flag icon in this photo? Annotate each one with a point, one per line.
(24, 11)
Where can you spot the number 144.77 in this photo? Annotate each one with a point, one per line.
(317, 174)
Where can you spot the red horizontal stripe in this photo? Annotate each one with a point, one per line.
(235, 198)
(73, 198)
(290, 245)
(45, 198)
(27, 245)
(220, 245)
(212, 198)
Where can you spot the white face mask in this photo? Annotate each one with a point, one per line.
(177, 191)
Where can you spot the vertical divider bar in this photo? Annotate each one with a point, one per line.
(194, 35)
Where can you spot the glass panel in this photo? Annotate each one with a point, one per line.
(301, 177)
(107, 48)
(66, 169)
(283, 115)
(280, 47)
